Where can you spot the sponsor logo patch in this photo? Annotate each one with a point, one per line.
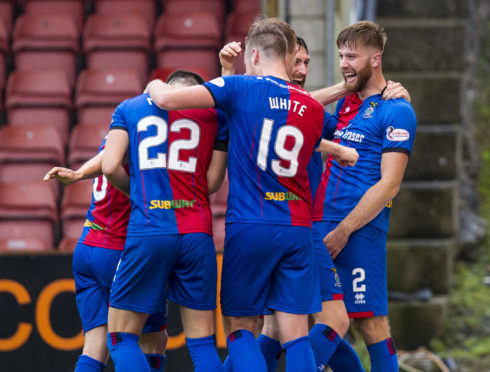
(397, 134)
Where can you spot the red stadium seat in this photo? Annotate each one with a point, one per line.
(4, 49)
(31, 143)
(27, 172)
(146, 8)
(247, 6)
(19, 229)
(188, 29)
(206, 60)
(39, 97)
(47, 42)
(7, 15)
(21, 244)
(67, 244)
(238, 23)
(74, 8)
(85, 141)
(95, 114)
(107, 87)
(217, 8)
(115, 40)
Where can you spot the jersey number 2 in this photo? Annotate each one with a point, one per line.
(160, 137)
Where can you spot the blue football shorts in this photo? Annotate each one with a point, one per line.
(268, 266)
(362, 270)
(181, 267)
(93, 270)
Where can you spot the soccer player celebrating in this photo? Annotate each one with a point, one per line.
(352, 205)
(268, 258)
(169, 248)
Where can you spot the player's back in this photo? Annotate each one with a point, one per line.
(274, 128)
(169, 153)
(107, 216)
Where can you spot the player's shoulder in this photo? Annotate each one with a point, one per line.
(398, 108)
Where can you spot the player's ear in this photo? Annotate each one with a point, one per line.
(255, 57)
(376, 59)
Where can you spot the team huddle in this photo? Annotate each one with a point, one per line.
(301, 237)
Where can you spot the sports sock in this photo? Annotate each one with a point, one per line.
(272, 351)
(324, 340)
(126, 353)
(244, 352)
(299, 356)
(88, 364)
(345, 359)
(383, 356)
(155, 361)
(204, 354)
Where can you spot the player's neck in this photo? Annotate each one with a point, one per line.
(375, 85)
(276, 69)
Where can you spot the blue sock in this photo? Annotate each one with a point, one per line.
(299, 356)
(383, 356)
(155, 361)
(324, 341)
(204, 354)
(244, 352)
(126, 353)
(227, 364)
(345, 359)
(272, 351)
(88, 364)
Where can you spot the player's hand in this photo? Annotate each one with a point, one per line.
(395, 90)
(335, 241)
(347, 157)
(65, 175)
(147, 88)
(228, 56)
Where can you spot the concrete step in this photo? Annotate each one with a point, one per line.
(435, 96)
(417, 264)
(436, 153)
(415, 324)
(412, 45)
(425, 210)
(422, 8)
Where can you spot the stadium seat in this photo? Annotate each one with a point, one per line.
(28, 199)
(246, 6)
(31, 143)
(100, 91)
(22, 244)
(219, 233)
(74, 8)
(7, 15)
(146, 8)
(47, 42)
(4, 50)
(85, 141)
(115, 40)
(68, 244)
(187, 30)
(19, 229)
(217, 8)
(28, 172)
(39, 97)
(206, 60)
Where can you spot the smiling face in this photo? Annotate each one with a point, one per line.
(355, 64)
(300, 68)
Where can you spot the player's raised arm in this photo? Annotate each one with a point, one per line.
(112, 160)
(169, 98)
(90, 169)
(345, 156)
(330, 94)
(395, 90)
(228, 56)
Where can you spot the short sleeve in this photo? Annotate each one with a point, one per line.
(399, 125)
(329, 125)
(225, 90)
(118, 121)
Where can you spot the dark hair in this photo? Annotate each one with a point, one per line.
(302, 43)
(365, 33)
(188, 77)
(271, 35)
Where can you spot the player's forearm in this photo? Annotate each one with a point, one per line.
(370, 205)
(216, 171)
(228, 71)
(330, 147)
(91, 168)
(118, 177)
(330, 94)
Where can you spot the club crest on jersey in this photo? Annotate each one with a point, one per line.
(368, 114)
(219, 82)
(336, 277)
(397, 134)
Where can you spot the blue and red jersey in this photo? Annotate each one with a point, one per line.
(373, 127)
(169, 154)
(274, 127)
(107, 216)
